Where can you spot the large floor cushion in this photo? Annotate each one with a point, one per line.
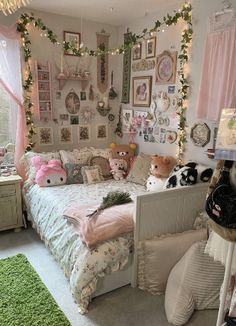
(158, 256)
(194, 283)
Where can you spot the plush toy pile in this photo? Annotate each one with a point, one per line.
(48, 174)
(118, 168)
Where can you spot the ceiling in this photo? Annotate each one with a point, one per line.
(114, 12)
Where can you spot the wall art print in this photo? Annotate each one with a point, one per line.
(137, 52)
(74, 119)
(126, 70)
(102, 62)
(72, 102)
(45, 136)
(87, 114)
(200, 134)
(151, 47)
(127, 116)
(84, 133)
(166, 67)
(226, 137)
(101, 131)
(143, 65)
(142, 89)
(74, 39)
(65, 135)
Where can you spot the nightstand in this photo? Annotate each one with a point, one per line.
(10, 203)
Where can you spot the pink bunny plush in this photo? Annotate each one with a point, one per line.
(48, 174)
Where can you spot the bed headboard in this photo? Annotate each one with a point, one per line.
(169, 211)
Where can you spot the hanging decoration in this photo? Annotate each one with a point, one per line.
(126, 68)
(112, 92)
(102, 61)
(10, 6)
(185, 13)
(118, 130)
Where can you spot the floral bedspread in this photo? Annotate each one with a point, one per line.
(81, 265)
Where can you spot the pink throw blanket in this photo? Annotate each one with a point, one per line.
(108, 224)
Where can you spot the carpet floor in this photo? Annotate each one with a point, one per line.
(123, 307)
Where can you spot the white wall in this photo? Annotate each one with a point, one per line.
(171, 37)
(43, 50)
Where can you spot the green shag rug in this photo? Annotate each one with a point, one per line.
(24, 299)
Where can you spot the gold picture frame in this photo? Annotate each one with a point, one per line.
(73, 38)
(151, 47)
(142, 91)
(166, 67)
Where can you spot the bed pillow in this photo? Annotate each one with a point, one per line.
(92, 174)
(139, 171)
(104, 165)
(194, 283)
(158, 256)
(30, 168)
(74, 174)
(103, 152)
(76, 156)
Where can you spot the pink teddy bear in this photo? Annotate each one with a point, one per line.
(48, 174)
(118, 168)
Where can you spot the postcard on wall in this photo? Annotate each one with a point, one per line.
(127, 119)
(102, 131)
(226, 137)
(45, 136)
(65, 135)
(84, 133)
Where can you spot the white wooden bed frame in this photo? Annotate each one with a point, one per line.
(157, 213)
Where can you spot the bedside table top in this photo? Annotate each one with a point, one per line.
(10, 179)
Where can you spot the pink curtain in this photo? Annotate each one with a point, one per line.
(218, 81)
(10, 80)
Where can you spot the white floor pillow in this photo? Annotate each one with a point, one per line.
(194, 283)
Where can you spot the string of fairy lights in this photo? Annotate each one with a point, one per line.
(184, 13)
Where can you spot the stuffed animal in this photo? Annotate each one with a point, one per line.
(122, 151)
(161, 166)
(155, 184)
(189, 174)
(118, 168)
(48, 174)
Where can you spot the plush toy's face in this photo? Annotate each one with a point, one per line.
(122, 151)
(161, 166)
(154, 184)
(118, 165)
(51, 179)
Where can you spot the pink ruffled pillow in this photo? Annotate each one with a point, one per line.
(49, 174)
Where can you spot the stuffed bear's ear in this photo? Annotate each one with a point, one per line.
(133, 146)
(154, 156)
(113, 145)
(37, 162)
(54, 163)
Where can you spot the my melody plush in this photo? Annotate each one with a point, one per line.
(123, 151)
(48, 174)
(161, 166)
(118, 168)
(189, 174)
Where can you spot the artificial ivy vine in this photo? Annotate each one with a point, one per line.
(184, 13)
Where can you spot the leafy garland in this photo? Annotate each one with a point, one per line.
(184, 13)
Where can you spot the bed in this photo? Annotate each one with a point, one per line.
(111, 264)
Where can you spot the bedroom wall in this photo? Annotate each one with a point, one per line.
(170, 39)
(43, 50)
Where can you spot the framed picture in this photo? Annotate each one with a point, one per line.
(142, 89)
(127, 119)
(83, 96)
(166, 67)
(65, 135)
(84, 133)
(74, 39)
(137, 52)
(64, 117)
(45, 136)
(74, 119)
(72, 102)
(200, 134)
(151, 47)
(102, 131)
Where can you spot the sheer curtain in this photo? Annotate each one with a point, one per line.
(11, 82)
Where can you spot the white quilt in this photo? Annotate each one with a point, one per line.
(82, 266)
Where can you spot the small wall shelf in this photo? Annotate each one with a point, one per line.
(63, 79)
(44, 90)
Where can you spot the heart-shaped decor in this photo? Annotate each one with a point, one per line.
(171, 136)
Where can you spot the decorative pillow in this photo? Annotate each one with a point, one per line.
(157, 257)
(194, 283)
(201, 221)
(140, 169)
(76, 156)
(103, 152)
(30, 168)
(104, 165)
(91, 174)
(73, 171)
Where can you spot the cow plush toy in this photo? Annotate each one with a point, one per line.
(49, 174)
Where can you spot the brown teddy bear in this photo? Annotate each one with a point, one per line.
(123, 151)
(161, 166)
